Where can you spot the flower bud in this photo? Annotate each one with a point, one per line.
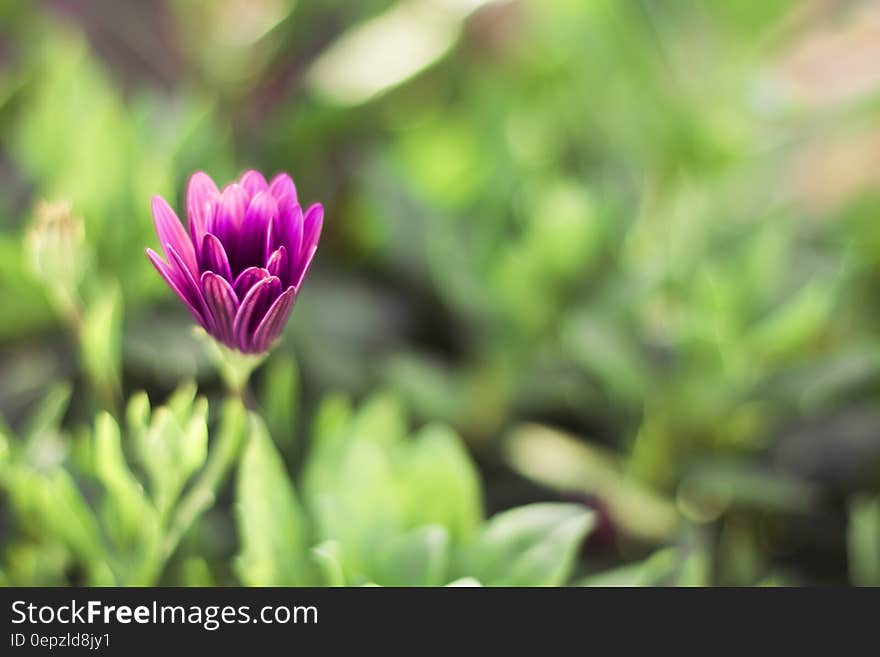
(57, 251)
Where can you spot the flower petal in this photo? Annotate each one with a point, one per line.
(223, 304)
(170, 231)
(312, 223)
(273, 322)
(277, 264)
(253, 308)
(175, 282)
(253, 182)
(247, 279)
(286, 229)
(251, 244)
(190, 287)
(214, 257)
(305, 265)
(281, 186)
(228, 215)
(201, 195)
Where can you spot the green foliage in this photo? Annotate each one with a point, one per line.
(120, 536)
(280, 397)
(101, 343)
(391, 510)
(271, 522)
(864, 541)
(621, 253)
(536, 545)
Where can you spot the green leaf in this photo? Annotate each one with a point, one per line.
(696, 568)
(68, 515)
(464, 581)
(137, 413)
(271, 524)
(101, 343)
(381, 420)
(46, 446)
(174, 445)
(686, 565)
(331, 419)
(353, 500)
(565, 463)
(193, 448)
(367, 486)
(656, 570)
(47, 417)
(280, 399)
(439, 483)
(202, 493)
(418, 558)
(534, 545)
(799, 319)
(53, 508)
(196, 573)
(128, 516)
(327, 555)
(864, 541)
(181, 401)
(349, 483)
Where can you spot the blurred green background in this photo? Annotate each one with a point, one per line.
(620, 259)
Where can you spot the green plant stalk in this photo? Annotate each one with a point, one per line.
(201, 496)
(235, 369)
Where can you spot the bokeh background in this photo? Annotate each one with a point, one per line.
(629, 252)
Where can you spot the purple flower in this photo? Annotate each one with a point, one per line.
(240, 267)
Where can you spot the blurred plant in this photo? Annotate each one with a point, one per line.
(864, 541)
(59, 255)
(125, 534)
(60, 258)
(632, 245)
(118, 154)
(377, 507)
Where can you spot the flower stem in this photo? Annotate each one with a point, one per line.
(235, 367)
(201, 496)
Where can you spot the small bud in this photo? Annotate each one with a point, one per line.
(55, 243)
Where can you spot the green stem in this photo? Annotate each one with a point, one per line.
(235, 368)
(201, 496)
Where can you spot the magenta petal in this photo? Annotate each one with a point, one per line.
(271, 325)
(190, 286)
(254, 230)
(253, 308)
(176, 283)
(312, 223)
(223, 304)
(281, 186)
(277, 265)
(239, 259)
(253, 182)
(170, 231)
(201, 194)
(247, 279)
(286, 229)
(228, 215)
(304, 267)
(214, 257)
